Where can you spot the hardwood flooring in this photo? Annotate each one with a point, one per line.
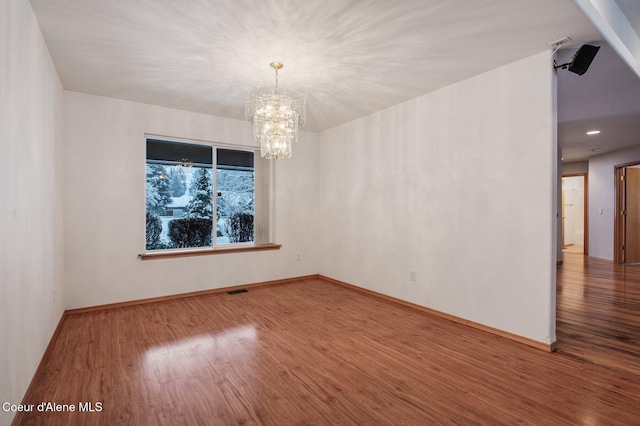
(573, 249)
(313, 353)
(598, 312)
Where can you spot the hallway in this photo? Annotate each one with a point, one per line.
(598, 312)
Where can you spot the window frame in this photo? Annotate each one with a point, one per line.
(266, 200)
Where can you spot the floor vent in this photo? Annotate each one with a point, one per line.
(242, 290)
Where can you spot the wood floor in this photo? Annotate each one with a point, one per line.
(573, 248)
(598, 312)
(315, 353)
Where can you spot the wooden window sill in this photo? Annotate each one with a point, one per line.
(166, 254)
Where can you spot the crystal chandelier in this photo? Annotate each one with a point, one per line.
(277, 116)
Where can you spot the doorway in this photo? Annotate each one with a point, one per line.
(574, 214)
(627, 224)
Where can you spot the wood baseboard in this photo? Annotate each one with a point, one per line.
(520, 339)
(529, 342)
(190, 294)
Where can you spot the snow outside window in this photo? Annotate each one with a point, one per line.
(198, 195)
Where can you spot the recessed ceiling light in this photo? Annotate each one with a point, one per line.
(593, 132)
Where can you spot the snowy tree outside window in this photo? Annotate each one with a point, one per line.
(186, 207)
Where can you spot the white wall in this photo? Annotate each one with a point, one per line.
(30, 220)
(459, 185)
(575, 167)
(602, 195)
(104, 198)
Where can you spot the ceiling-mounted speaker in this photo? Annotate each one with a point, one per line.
(582, 59)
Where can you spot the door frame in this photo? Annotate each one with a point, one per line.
(618, 226)
(585, 223)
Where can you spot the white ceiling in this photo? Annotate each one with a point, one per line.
(349, 57)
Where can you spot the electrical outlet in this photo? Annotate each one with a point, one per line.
(412, 275)
(298, 257)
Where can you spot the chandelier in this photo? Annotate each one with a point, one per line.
(277, 116)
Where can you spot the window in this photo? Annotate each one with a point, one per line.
(199, 195)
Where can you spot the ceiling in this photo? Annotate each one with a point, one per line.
(631, 9)
(605, 98)
(349, 57)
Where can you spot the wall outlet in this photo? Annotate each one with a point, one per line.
(298, 257)
(412, 275)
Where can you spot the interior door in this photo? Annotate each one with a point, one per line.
(631, 217)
